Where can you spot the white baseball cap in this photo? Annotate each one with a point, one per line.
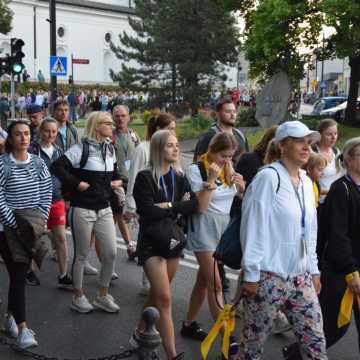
(295, 129)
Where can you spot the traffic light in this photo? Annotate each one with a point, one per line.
(17, 55)
(5, 65)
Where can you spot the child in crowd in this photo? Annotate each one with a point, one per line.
(315, 170)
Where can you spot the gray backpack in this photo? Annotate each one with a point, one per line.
(35, 162)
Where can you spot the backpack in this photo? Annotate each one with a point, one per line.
(86, 151)
(215, 130)
(229, 251)
(35, 162)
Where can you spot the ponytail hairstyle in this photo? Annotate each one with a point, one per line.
(348, 151)
(158, 122)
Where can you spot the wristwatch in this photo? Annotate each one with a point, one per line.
(169, 204)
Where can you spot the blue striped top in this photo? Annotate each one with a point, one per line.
(26, 188)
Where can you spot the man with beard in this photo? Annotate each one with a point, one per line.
(226, 118)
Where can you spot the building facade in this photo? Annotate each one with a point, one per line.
(84, 29)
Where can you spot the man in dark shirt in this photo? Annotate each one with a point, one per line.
(226, 118)
(36, 115)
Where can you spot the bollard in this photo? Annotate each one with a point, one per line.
(149, 339)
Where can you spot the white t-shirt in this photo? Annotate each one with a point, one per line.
(223, 196)
(49, 151)
(331, 174)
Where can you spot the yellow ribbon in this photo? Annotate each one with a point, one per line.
(205, 159)
(347, 302)
(227, 319)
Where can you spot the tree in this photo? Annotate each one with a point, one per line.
(344, 17)
(276, 30)
(177, 46)
(6, 16)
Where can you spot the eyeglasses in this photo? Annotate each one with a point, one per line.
(107, 123)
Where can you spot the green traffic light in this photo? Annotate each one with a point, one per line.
(17, 68)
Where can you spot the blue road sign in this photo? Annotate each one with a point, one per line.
(58, 66)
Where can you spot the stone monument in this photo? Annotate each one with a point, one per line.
(272, 102)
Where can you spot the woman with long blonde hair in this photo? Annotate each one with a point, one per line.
(161, 193)
(91, 184)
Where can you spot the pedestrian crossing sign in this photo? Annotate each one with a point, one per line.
(58, 65)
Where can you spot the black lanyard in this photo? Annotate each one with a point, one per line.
(353, 182)
(169, 197)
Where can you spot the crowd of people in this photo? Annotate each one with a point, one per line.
(297, 193)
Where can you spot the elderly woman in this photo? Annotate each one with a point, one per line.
(278, 238)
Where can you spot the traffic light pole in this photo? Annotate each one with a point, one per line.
(53, 79)
(12, 97)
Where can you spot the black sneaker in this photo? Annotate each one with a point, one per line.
(234, 346)
(193, 331)
(65, 282)
(180, 356)
(31, 279)
(292, 352)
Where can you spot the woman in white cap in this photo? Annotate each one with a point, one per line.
(278, 239)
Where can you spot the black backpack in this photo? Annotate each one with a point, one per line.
(229, 251)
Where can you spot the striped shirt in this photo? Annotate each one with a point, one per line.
(26, 188)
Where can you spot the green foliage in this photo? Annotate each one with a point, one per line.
(344, 17)
(180, 48)
(275, 32)
(6, 16)
(146, 116)
(246, 117)
(312, 122)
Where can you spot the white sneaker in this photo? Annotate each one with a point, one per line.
(26, 339)
(10, 327)
(81, 304)
(106, 303)
(145, 286)
(114, 276)
(281, 324)
(134, 340)
(89, 269)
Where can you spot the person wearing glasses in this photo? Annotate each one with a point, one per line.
(91, 185)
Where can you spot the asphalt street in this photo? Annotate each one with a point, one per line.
(63, 334)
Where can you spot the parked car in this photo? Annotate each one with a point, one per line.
(327, 103)
(338, 112)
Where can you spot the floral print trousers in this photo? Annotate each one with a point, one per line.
(297, 298)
